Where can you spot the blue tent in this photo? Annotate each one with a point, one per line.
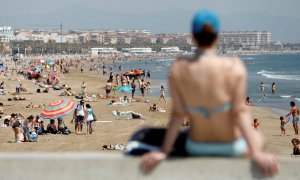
(3, 67)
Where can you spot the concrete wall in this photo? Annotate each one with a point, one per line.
(71, 166)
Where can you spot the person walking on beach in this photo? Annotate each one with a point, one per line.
(210, 90)
(162, 94)
(273, 88)
(295, 115)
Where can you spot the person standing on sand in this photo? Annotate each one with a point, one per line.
(79, 117)
(282, 123)
(81, 69)
(108, 88)
(83, 87)
(295, 115)
(210, 90)
(133, 86)
(142, 87)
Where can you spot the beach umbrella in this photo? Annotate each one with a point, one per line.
(30, 68)
(58, 109)
(125, 88)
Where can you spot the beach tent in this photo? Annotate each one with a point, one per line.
(124, 88)
(50, 62)
(3, 67)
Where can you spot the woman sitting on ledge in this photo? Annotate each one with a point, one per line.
(210, 90)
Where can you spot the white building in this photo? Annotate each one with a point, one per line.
(170, 50)
(6, 34)
(138, 50)
(99, 51)
(245, 37)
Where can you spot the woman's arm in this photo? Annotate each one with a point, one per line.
(150, 160)
(266, 162)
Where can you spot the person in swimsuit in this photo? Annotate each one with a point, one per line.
(262, 87)
(282, 123)
(210, 90)
(256, 123)
(108, 88)
(295, 115)
(273, 88)
(162, 94)
(296, 148)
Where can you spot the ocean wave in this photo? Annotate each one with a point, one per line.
(265, 72)
(276, 75)
(286, 96)
(163, 60)
(297, 99)
(248, 58)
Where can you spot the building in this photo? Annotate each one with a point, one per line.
(99, 51)
(138, 50)
(245, 38)
(170, 50)
(6, 34)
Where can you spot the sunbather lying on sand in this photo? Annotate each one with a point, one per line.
(120, 147)
(17, 98)
(33, 106)
(134, 115)
(117, 103)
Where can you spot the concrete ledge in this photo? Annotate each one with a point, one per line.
(71, 166)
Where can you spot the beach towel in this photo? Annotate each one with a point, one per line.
(151, 139)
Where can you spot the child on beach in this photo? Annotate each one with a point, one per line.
(256, 123)
(282, 123)
(296, 149)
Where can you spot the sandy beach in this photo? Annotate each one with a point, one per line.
(111, 129)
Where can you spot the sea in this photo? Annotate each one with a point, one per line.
(282, 69)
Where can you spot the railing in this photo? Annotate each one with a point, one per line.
(90, 165)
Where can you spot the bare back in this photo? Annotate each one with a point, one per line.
(208, 82)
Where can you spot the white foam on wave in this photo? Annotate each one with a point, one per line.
(248, 58)
(286, 96)
(163, 60)
(297, 99)
(273, 75)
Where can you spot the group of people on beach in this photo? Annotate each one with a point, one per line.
(219, 119)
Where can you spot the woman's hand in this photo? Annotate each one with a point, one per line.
(267, 163)
(150, 160)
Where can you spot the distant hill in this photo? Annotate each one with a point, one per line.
(284, 29)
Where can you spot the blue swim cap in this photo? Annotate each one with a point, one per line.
(205, 17)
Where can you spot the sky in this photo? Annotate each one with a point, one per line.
(275, 16)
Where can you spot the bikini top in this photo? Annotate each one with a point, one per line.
(207, 112)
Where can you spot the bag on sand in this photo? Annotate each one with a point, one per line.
(151, 139)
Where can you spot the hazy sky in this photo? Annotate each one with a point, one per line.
(12, 12)
(274, 7)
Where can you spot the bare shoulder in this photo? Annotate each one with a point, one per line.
(236, 65)
(178, 65)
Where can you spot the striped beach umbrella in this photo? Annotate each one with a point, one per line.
(58, 109)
